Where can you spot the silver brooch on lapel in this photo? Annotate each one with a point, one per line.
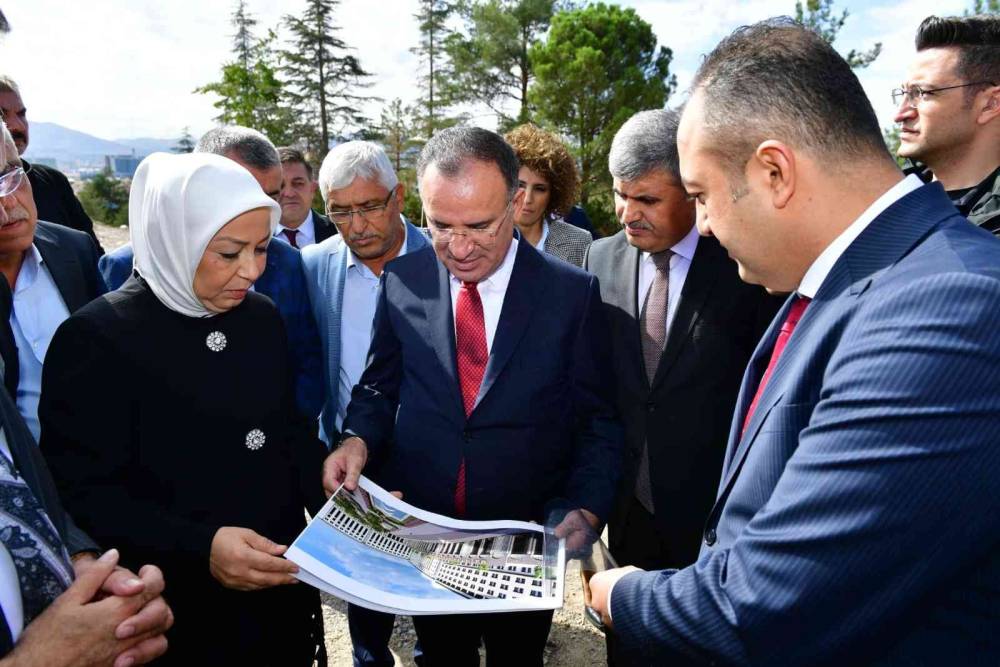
(216, 341)
(255, 439)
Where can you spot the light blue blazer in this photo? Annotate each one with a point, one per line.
(326, 271)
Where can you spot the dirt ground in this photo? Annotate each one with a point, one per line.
(572, 643)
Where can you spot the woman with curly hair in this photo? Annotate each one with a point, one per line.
(550, 183)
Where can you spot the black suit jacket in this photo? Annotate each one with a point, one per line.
(71, 258)
(28, 460)
(685, 414)
(56, 202)
(324, 228)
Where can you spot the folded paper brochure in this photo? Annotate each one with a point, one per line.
(374, 550)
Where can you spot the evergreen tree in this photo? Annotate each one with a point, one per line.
(492, 65)
(433, 16)
(818, 16)
(599, 65)
(249, 91)
(105, 199)
(322, 75)
(987, 7)
(396, 131)
(185, 144)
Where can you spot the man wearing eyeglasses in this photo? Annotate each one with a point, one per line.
(949, 112)
(487, 393)
(364, 199)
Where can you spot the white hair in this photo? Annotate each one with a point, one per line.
(355, 159)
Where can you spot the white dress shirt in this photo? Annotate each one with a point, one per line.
(680, 263)
(357, 312)
(544, 237)
(10, 586)
(37, 313)
(491, 292)
(822, 265)
(306, 232)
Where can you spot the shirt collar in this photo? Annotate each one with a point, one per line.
(29, 269)
(823, 264)
(353, 261)
(685, 247)
(306, 221)
(498, 280)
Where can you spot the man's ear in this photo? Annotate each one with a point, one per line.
(773, 167)
(991, 108)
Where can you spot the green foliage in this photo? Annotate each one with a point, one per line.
(599, 66)
(322, 77)
(891, 136)
(435, 67)
(185, 144)
(105, 199)
(397, 131)
(492, 63)
(988, 7)
(817, 15)
(249, 91)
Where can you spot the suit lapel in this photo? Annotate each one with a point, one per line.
(441, 327)
(336, 275)
(63, 269)
(701, 277)
(523, 292)
(622, 293)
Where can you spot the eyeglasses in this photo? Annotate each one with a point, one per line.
(11, 180)
(484, 237)
(915, 94)
(368, 213)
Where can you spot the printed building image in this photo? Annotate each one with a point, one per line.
(496, 566)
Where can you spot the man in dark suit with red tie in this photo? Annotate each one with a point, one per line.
(488, 388)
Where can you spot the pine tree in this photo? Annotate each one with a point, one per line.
(433, 16)
(323, 75)
(818, 16)
(987, 7)
(186, 143)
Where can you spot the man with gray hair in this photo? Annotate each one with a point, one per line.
(364, 199)
(487, 393)
(283, 279)
(683, 326)
(54, 196)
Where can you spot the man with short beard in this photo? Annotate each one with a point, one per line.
(949, 112)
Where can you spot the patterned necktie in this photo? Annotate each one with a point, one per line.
(290, 234)
(43, 566)
(794, 315)
(653, 328)
(472, 354)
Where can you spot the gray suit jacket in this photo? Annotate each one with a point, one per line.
(326, 268)
(567, 242)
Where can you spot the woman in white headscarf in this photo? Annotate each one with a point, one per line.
(168, 419)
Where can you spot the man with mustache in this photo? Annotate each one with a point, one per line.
(683, 326)
(949, 112)
(54, 198)
(364, 198)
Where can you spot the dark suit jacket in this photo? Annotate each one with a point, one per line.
(685, 415)
(284, 282)
(71, 257)
(32, 468)
(56, 202)
(544, 428)
(323, 227)
(858, 518)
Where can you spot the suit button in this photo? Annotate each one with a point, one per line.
(710, 536)
(651, 406)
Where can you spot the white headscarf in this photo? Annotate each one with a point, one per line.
(176, 205)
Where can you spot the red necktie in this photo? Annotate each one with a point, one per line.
(794, 315)
(290, 234)
(472, 354)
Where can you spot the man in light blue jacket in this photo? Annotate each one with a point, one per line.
(364, 199)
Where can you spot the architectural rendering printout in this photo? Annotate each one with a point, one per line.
(372, 549)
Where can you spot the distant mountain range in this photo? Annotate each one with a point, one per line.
(73, 149)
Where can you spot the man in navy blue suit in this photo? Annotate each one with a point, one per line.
(488, 391)
(858, 517)
(283, 280)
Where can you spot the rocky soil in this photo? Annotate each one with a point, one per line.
(573, 642)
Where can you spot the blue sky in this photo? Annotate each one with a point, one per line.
(127, 68)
